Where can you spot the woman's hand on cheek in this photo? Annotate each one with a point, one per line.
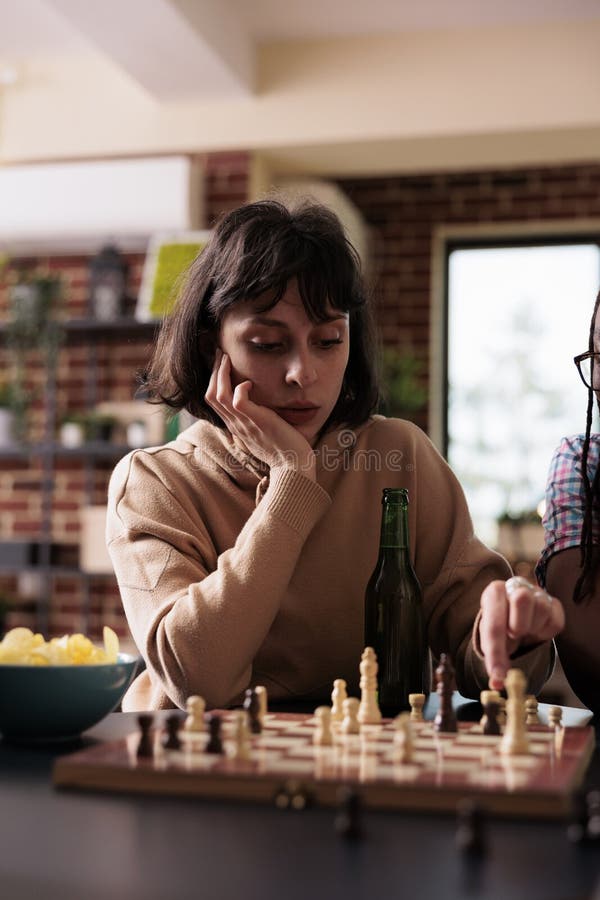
(265, 434)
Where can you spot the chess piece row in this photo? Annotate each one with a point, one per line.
(246, 721)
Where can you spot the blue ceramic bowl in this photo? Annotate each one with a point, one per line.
(57, 703)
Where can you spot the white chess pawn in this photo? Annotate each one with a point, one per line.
(338, 695)
(531, 708)
(403, 738)
(350, 723)
(555, 717)
(515, 740)
(322, 735)
(369, 712)
(261, 693)
(195, 707)
(417, 702)
(241, 735)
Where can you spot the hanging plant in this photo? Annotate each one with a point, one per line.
(31, 326)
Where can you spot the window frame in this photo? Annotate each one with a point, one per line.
(448, 239)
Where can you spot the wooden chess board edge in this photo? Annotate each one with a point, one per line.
(87, 774)
(265, 790)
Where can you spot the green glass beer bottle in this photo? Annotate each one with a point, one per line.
(394, 624)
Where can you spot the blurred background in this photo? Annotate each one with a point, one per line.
(459, 143)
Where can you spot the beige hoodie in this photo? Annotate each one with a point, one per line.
(232, 575)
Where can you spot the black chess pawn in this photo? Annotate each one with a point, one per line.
(348, 816)
(445, 719)
(214, 743)
(252, 707)
(470, 833)
(145, 747)
(490, 722)
(171, 739)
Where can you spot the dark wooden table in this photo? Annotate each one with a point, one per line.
(62, 845)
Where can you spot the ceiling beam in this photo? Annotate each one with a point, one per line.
(174, 49)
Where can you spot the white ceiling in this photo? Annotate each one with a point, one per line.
(167, 45)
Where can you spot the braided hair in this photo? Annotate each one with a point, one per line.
(590, 553)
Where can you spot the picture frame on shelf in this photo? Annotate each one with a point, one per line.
(168, 258)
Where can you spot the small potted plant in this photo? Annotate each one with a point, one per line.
(72, 431)
(99, 426)
(520, 535)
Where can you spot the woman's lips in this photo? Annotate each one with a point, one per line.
(297, 415)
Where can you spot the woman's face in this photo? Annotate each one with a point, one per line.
(296, 366)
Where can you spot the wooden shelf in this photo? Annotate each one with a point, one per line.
(124, 326)
(118, 328)
(91, 450)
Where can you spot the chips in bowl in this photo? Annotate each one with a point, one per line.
(53, 690)
(20, 646)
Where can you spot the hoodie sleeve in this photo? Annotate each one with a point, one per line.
(198, 617)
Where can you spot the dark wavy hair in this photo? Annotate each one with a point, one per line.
(590, 553)
(255, 251)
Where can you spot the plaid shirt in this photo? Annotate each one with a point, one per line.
(565, 499)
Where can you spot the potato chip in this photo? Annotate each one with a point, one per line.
(20, 646)
(111, 644)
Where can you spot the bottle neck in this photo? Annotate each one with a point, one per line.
(394, 528)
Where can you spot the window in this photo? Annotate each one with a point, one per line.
(516, 316)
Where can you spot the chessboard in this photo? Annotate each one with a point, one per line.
(286, 768)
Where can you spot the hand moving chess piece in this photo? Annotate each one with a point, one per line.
(368, 712)
(445, 719)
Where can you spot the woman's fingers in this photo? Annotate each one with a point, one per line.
(515, 613)
(534, 615)
(493, 632)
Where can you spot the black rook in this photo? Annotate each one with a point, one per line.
(394, 624)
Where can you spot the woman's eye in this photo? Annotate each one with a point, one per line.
(325, 345)
(265, 347)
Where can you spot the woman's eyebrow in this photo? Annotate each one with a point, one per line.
(277, 323)
(266, 320)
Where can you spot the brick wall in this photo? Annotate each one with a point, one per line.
(76, 603)
(402, 213)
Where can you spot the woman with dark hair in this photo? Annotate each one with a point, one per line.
(569, 565)
(243, 547)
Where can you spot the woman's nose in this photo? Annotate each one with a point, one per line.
(301, 371)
